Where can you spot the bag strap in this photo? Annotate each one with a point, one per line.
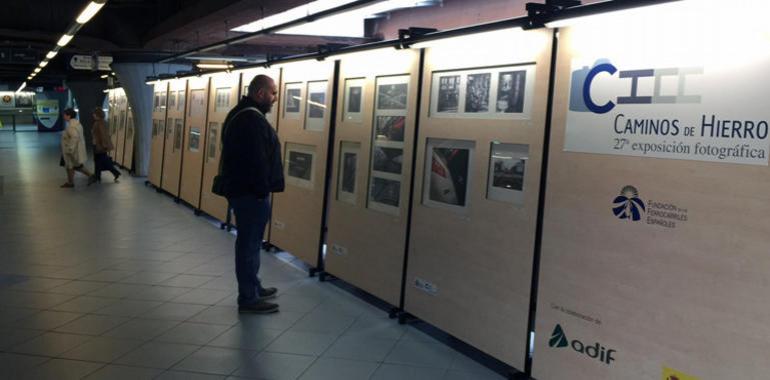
(225, 127)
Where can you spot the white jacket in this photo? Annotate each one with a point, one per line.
(73, 145)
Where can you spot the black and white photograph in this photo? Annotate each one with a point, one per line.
(507, 167)
(197, 103)
(388, 160)
(477, 92)
(293, 98)
(510, 91)
(349, 164)
(449, 93)
(390, 128)
(195, 139)
(178, 134)
(212, 141)
(385, 191)
(392, 96)
(300, 165)
(24, 99)
(447, 172)
(316, 105)
(222, 99)
(354, 99)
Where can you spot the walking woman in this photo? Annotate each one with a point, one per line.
(102, 147)
(73, 146)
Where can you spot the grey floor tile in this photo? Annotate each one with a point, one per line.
(157, 355)
(102, 349)
(221, 315)
(128, 308)
(275, 366)
(360, 348)
(161, 293)
(119, 372)
(37, 284)
(9, 315)
(108, 275)
(63, 369)
(421, 354)
(145, 329)
(324, 323)
(92, 324)
(15, 366)
(84, 304)
(188, 281)
(459, 375)
(148, 278)
(339, 369)
(202, 296)
(246, 338)
(376, 328)
(301, 343)
(278, 321)
(192, 333)
(51, 344)
(215, 360)
(179, 375)
(402, 372)
(10, 337)
(174, 311)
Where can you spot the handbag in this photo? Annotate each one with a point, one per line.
(219, 186)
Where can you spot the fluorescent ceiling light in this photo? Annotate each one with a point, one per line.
(21, 87)
(104, 76)
(214, 66)
(51, 54)
(43, 63)
(37, 69)
(89, 12)
(347, 24)
(64, 40)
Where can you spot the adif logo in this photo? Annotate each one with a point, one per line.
(583, 80)
(596, 351)
(627, 205)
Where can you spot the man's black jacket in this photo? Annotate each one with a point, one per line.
(251, 154)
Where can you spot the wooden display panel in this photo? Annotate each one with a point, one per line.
(470, 256)
(677, 290)
(160, 99)
(175, 115)
(120, 130)
(224, 96)
(194, 140)
(366, 245)
(304, 135)
(128, 150)
(113, 124)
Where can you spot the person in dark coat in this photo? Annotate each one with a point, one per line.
(251, 168)
(102, 147)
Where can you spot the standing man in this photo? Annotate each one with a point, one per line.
(251, 170)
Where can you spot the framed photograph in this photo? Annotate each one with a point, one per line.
(195, 139)
(497, 93)
(180, 100)
(385, 195)
(354, 99)
(389, 128)
(387, 160)
(449, 94)
(172, 100)
(163, 100)
(245, 90)
(197, 103)
(222, 99)
(348, 169)
(161, 128)
(293, 100)
(507, 166)
(447, 173)
(316, 106)
(212, 141)
(177, 134)
(299, 165)
(391, 96)
(154, 128)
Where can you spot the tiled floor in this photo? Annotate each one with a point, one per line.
(116, 281)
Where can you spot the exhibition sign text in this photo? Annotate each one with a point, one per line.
(696, 113)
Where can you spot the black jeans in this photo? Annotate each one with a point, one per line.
(252, 214)
(102, 161)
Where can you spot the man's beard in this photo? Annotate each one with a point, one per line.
(265, 107)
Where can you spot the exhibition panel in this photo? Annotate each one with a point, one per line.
(476, 187)
(374, 137)
(158, 132)
(175, 115)
(128, 151)
(120, 131)
(224, 96)
(194, 140)
(654, 259)
(113, 117)
(304, 119)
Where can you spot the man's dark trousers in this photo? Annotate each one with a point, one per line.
(252, 214)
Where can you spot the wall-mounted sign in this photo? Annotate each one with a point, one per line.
(701, 111)
(87, 62)
(47, 112)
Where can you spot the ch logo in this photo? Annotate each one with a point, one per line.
(627, 205)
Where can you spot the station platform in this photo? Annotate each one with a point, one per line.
(116, 281)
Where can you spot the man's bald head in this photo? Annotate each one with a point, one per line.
(263, 90)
